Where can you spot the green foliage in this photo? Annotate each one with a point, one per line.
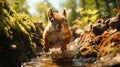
(42, 9)
(20, 6)
(71, 17)
(71, 6)
(86, 17)
(105, 7)
(14, 28)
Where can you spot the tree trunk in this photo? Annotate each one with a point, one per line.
(107, 7)
(97, 4)
(83, 4)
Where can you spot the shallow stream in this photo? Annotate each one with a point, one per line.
(55, 59)
(48, 62)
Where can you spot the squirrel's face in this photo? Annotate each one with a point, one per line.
(58, 20)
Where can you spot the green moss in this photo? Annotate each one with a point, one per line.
(14, 27)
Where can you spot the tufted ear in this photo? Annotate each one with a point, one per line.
(49, 13)
(64, 12)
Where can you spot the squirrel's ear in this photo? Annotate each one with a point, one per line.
(49, 13)
(64, 12)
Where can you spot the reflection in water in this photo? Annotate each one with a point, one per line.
(56, 59)
(40, 62)
(33, 63)
(77, 62)
(48, 62)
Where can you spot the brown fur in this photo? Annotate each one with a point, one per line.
(57, 32)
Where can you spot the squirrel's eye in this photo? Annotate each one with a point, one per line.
(52, 19)
(65, 20)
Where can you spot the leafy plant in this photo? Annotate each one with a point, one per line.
(86, 17)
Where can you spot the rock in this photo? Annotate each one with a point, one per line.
(99, 28)
(105, 42)
(114, 22)
(37, 36)
(111, 43)
(111, 60)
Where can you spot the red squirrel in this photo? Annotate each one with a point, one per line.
(57, 32)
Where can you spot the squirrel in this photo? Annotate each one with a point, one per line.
(57, 32)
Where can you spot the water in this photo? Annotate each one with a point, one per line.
(55, 58)
(48, 62)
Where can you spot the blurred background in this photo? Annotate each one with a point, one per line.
(79, 12)
(23, 23)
